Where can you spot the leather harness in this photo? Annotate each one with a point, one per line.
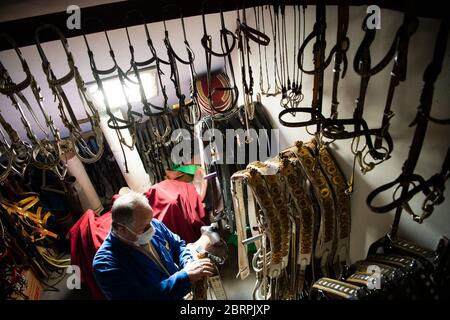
(194, 114)
(56, 85)
(159, 119)
(45, 153)
(435, 186)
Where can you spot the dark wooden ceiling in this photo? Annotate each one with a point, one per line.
(113, 14)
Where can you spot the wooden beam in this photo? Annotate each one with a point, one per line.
(113, 15)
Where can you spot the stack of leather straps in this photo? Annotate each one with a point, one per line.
(393, 269)
(297, 203)
(219, 198)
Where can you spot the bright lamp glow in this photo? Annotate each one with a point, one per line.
(114, 92)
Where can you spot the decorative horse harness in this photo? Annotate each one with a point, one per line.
(56, 85)
(300, 189)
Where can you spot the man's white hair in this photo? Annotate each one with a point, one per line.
(124, 206)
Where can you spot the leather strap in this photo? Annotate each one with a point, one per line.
(5, 152)
(237, 190)
(334, 129)
(22, 151)
(323, 195)
(342, 45)
(336, 288)
(342, 202)
(270, 173)
(206, 42)
(398, 73)
(289, 168)
(262, 195)
(394, 260)
(216, 285)
(114, 122)
(63, 102)
(407, 175)
(45, 153)
(194, 114)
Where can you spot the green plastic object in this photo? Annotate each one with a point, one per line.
(188, 169)
(232, 239)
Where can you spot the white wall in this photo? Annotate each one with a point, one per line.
(366, 226)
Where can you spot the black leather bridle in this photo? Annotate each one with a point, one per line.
(434, 187)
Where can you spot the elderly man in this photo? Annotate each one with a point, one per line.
(142, 259)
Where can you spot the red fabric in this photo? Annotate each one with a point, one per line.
(86, 236)
(178, 205)
(175, 203)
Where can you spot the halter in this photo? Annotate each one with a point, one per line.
(206, 42)
(56, 85)
(161, 127)
(434, 187)
(45, 153)
(320, 64)
(244, 35)
(192, 117)
(335, 128)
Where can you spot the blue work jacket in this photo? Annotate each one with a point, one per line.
(122, 271)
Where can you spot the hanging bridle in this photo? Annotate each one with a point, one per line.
(244, 34)
(159, 115)
(45, 153)
(56, 85)
(190, 111)
(335, 128)
(320, 64)
(114, 122)
(5, 152)
(19, 152)
(227, 48)
(433, 188)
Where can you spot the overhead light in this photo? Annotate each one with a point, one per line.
(115, 93)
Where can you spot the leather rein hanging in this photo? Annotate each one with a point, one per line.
(206, 42)
(159, 119)
(244, 35)
(17, 151)
(56, 85)
(190, 111)
(114, 122)
(5, 152)
(335, 128)
(320, 64)
(45, 153)
(434, 187)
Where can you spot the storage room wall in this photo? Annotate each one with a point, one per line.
(366, 225)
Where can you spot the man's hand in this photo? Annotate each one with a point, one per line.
(199, 269)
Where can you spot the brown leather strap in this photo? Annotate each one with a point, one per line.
(342, 202)
(323, 194)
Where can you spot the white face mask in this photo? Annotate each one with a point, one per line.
(144, 237)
